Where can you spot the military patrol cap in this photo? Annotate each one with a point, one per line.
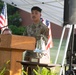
(36, 8)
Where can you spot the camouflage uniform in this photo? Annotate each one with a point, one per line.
(36, 30)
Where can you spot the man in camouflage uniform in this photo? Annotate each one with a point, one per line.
(37, 29)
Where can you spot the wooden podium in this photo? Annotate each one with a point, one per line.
(11, 48)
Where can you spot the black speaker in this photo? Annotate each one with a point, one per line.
(69, 12)
(66, 12)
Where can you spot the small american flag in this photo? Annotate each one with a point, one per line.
(3, 17)
(50, 42)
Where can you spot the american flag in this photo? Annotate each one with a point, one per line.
(3, 17)
(50, 42)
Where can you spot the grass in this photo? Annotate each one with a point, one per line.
(53, 51)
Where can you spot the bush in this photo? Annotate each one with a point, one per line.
(14, 19)
(11, 10)
(44, 71)
(13, 14)
(4, 69)
(1, 6)
(17, 30)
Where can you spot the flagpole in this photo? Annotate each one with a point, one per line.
(6, 13)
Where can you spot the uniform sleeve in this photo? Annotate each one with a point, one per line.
(45, 31)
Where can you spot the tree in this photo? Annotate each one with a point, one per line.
(13, 15)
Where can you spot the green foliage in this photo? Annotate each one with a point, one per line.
(24, 72)
(11, 10)
(38, 71)
(4, 69)
(1, 6)
(17, 30)
(44, 71)
(14, 19)
(13, 15)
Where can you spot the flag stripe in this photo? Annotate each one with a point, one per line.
(50, 42)
(2, 21)
(3, 15)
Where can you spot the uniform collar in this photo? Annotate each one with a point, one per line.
(38, 23)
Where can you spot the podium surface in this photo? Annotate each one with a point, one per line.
(12, 48)
(17, 42)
